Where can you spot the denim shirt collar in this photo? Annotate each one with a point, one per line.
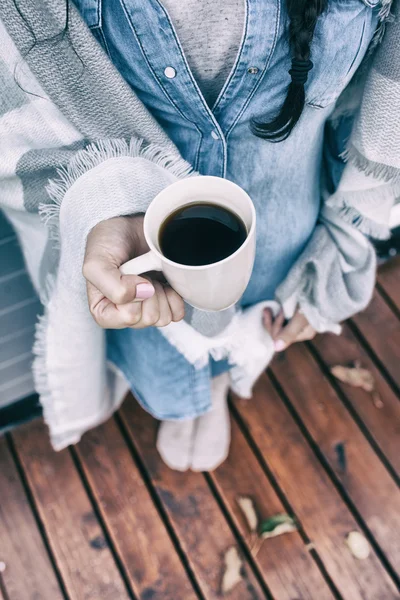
(183, 89)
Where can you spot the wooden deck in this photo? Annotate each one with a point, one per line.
(107, 520)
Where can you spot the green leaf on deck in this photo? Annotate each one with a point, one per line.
(277, 525)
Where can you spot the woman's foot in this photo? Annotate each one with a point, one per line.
(212, 434)
(201, 444)
(175, 443)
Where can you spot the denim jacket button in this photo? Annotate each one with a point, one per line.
(169, 72)
(253, 70)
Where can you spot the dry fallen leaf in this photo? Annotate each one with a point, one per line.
(355, 376)
(358, 544)
(277, 525)
(232, 574)
(377, 400)
(358, 377)
(247, 506)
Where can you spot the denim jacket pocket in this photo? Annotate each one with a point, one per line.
(341, 39)
(90, 11)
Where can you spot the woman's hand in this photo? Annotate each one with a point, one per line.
(297, 330)
(115, 300)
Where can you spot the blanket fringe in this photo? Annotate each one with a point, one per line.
(39, 367)
(385, 16)
(93, 155)
(354, 217)
(369, 167)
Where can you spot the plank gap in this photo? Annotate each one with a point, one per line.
(388, 299)
(36, 515)
(159, 506)
(285, 502)
(3, 591)
(334, 479)
(373, 356)
(101, 521)
(240, 541)
(353, 412)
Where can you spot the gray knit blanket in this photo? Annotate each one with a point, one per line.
(371, 182)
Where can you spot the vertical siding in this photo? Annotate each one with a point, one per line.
(19, 307)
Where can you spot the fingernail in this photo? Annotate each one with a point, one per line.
(279, 345)
(144, 291)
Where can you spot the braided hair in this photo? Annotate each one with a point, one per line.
(303, 16)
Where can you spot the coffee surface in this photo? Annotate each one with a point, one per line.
(201, 234)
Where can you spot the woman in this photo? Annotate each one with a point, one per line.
(245, 90)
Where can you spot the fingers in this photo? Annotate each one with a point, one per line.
(278, 324)
(176, 304)
(155, 310)
(105, 276)
(109, 244)
(160, 310)
(109, 315)
(273, 324)
(164, 313)
(291, 331)
(307, 334)
(267, 320)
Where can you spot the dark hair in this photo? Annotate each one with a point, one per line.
(303, 16)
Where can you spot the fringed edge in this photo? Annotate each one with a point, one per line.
(197, 349)
(385, 16)
(369, 167)
(92, 156)
(184, 343)
(39, 367)
(354, 217)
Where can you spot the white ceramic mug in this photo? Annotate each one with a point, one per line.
(210, 287)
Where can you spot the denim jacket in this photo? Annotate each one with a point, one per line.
(283, 179)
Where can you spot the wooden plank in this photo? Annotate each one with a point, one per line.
(364, 477)
(381, 329)
(389, 280)
(200, 525)
(28, 574)
(382, 423)
(75, 536)
(287, 567)
(137, 531)
(324, 516)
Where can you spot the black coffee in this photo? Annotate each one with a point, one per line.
(201, 234)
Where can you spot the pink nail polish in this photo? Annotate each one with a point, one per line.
(144, 291)
(280, 345)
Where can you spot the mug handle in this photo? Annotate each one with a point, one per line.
(141, 264)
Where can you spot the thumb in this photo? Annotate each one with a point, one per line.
(104, 274)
